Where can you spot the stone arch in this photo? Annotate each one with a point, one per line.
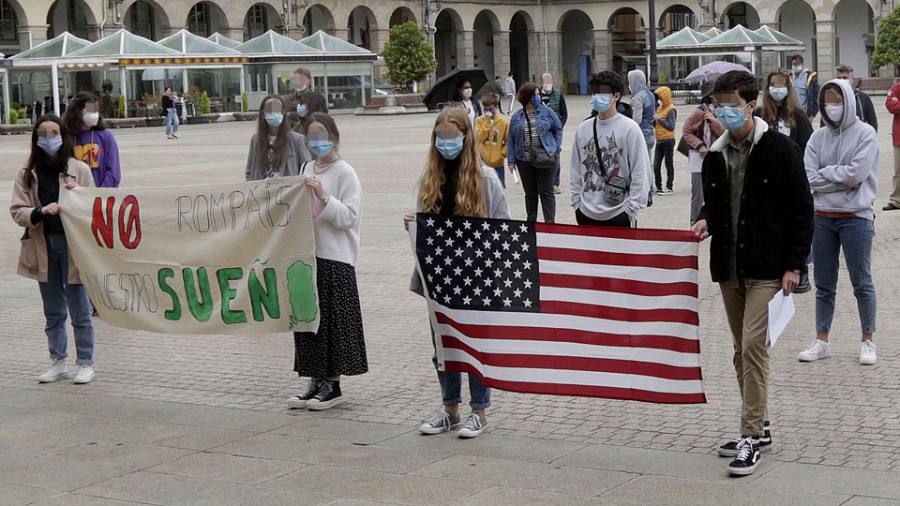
(676, 17)
(362, 28)
(521, 35)
(402, 15)
(854, 35)
(798, 19)
(629, 38)
(205, 18)
(486, 42)
(73, 16)
(318, 17)
(260, 18)
(448, 48)
(740, 13)
(11, 17)
(576, 51)
(146, 18)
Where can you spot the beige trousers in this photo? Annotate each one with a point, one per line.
(895, 195)
(747, 308)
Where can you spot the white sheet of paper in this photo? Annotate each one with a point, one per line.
(695, 161)
(781, 310)
(515, 174)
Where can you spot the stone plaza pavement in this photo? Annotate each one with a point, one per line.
(181, 419)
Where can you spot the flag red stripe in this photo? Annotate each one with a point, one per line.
(576, 363)
(572, 336)
(619, 285)
(672, 262)
(580, 390)
(641, 234)
(619, 313)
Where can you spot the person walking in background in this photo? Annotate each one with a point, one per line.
(302, 82)
(893, 106)
(609, 180)
(168, 106)
(510, 88)
(535, 139)
(463, 96)
(783, 114)
(338, 347)
(865, 109)
(665, 141)
(759, 211)
(492, 132)
(454, 183)
(842, 167)
(44, 254)
(497, 90)
(309, 104)
(93, 143)
(700, 130)
(275, 150)
(554, 99)
(806, 87)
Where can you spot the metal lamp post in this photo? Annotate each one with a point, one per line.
(654, 63)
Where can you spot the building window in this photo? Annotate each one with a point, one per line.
(8, 28)
(257, 23)
(198, 20)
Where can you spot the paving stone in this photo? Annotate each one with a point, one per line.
(504, 447)
(361, 433)
(15, 495)
(502, 496)
(227, 468)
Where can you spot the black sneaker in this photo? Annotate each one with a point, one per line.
(328, 396)
(729, 449)
(747, 459)
(312, 389)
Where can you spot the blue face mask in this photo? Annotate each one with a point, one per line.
(449, 148)
(50, 146)
(778, 94)
(601, 103)
(536, 100)
(798, 68)
(301, 110)
(274, 119)
(320, 148)
(732, 118)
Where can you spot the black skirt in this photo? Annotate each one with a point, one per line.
(339, 347)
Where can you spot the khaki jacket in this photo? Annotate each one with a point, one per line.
(33, 256)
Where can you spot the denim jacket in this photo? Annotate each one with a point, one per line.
(549, 125)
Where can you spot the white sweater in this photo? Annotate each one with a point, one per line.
(337, 226)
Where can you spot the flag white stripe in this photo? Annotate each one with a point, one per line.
(563, 349)
(558, 321)
(616, 299)
(568, 377)
(614, 245)
(647, 274)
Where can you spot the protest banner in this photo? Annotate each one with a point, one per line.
(231, 258)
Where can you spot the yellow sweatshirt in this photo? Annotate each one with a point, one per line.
(491, 138)
(664, 94)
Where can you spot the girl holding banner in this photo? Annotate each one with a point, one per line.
(455, 183)
(275, 150)
(44, 255)
(339, 347)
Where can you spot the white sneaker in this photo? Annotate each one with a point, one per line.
(867, 353)
(59, 370)
(474, 426)
(85, 375)
(817, 350)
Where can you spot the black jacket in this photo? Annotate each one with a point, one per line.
(775, 226)
(801, 132)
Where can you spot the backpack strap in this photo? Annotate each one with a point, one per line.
(810, 78)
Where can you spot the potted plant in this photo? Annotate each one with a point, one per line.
(154, 109)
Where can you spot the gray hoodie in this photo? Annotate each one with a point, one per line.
(838, 159)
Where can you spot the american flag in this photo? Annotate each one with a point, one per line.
(561, 309)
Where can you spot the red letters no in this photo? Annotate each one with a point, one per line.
(103, 228)
(133, 225)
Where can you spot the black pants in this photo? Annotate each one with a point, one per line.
(538, 183)
(664, 148)
(618, 221)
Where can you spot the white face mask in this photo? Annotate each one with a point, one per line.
(548, 88)
(835, 112)
(91, 119)
(467, 92)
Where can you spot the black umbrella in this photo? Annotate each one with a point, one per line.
(444, 90)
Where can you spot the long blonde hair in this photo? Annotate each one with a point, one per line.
(769, 110)
(469, 197)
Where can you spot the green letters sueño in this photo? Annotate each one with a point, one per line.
(201, 306)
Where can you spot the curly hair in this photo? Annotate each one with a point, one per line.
(469, 196)
(770, 111)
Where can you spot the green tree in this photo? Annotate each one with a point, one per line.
(887, 46)
(122, 106)
(408, 56)
(204, 103)
(245, 102)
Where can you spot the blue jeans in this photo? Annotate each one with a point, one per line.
(556, 178)
(171, 121)
(854, 236)
(501, 174)
(451, 386)
(57, 295)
